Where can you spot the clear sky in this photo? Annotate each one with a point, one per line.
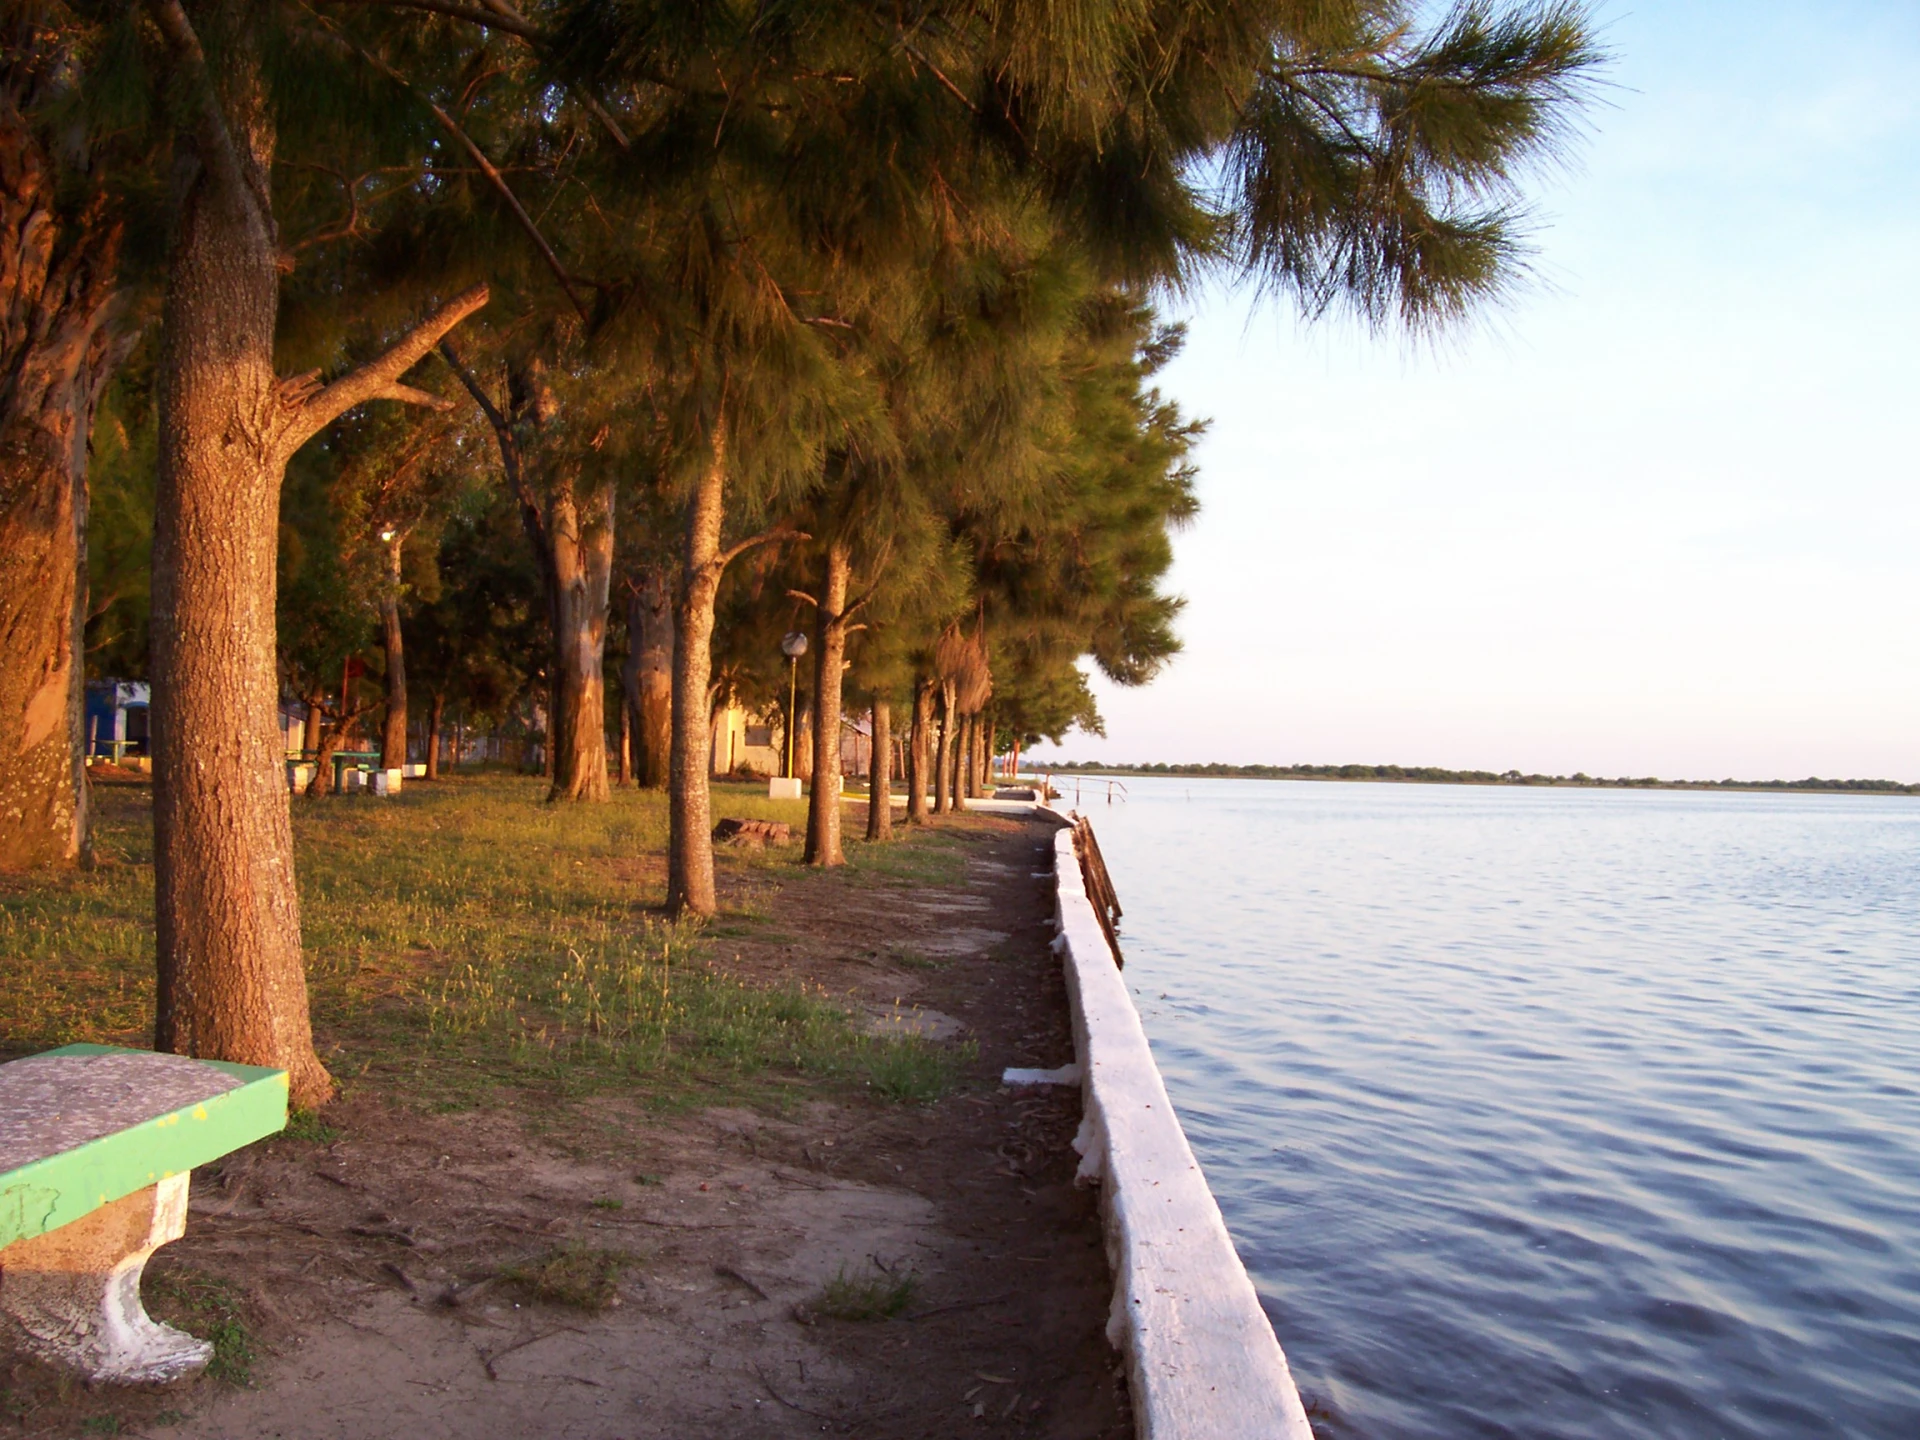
(1660, 514)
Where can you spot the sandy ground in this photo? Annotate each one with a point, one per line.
(371, 1266)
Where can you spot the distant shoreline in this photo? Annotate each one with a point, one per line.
(1434, 775)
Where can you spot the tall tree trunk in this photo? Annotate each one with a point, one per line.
(626, 730)
(956, 737)
(689, 804)
(315, 702)
(880, 773)
(970, 767)
(803, 739)
(943, 751)
(919, 742)
(829, 666)
(393, 733)
(649, 674)
(58, 348)
(582, 534)
(232, 980)
(436, 709)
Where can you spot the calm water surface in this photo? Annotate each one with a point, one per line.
(1550, 1113)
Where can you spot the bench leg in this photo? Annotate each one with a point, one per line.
(73, 1295)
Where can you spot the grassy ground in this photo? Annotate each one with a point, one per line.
(465, 935)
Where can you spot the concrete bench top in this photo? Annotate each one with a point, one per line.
(88, 1124)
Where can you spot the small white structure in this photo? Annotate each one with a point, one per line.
(387, 782)
(783, 788)
(414, 771)
(300, 774)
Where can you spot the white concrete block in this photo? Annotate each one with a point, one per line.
(779, 788)
(1018, 1075)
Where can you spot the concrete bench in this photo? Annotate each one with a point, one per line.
(96, 1146)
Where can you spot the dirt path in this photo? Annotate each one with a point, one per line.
(371, 1264)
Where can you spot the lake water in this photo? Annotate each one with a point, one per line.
(1549, 1112)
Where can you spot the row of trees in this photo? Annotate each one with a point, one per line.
(851, 303)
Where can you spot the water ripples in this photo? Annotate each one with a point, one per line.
(1550, 1113)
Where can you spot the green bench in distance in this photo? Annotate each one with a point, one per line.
(96, 1146)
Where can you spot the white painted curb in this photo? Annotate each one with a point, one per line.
(1202, 1360)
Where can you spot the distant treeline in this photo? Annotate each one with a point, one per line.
(1434, 775)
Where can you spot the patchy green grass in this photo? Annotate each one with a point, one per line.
(466, 936)
(913, 1071)
(210, 1309)
(307, 1125)
(578, 1276)
(872, 1294)
(928, 857)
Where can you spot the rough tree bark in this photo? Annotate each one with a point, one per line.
(232, 981)
(803, 738)
(581, 529)
(942, 746)
(572, 542)
(880, 773)
(310, 735)
(626, 730)
(919, 737)
(58, 348)
(648, 674)
(689, 804)
(956, 738)
(393, 733)
(436, 710)
(830, 617)
(689, 798)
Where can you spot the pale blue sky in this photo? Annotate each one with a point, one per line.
(1658, 515)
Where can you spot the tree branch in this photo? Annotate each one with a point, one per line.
(494, 18)
(211, 136)
(802, 595)
(499, 183)
(487, 168)
(407, 395)
(530, 514)
(780, 534)
(873, 585)
(378, 379)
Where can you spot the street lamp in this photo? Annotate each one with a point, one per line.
(792, 645)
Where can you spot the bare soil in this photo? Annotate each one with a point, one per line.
(383, 1272)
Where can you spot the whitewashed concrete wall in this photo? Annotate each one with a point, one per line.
(1202, 1360)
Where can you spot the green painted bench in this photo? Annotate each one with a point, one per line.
(96, 1146)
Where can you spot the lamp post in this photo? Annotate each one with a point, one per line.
(792, 645)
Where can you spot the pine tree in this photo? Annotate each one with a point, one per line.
(232, 981)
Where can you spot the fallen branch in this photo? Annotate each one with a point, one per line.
(960, 1305)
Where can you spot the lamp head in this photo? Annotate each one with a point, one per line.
(793, 644)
